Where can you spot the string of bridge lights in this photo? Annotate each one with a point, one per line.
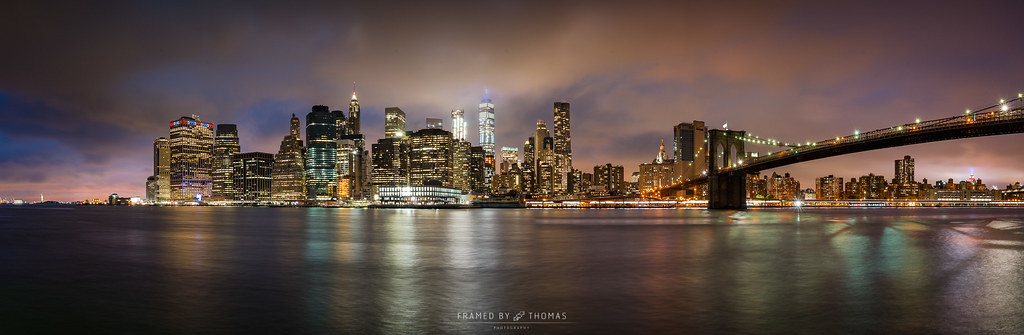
(753, 139)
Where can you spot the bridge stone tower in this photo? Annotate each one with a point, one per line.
(726, 190)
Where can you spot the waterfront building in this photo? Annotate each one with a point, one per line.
(252, 173)
(575, 182)
(352, 169)
(690, 150)
(390, 163)
(435, 123)
(287, 178)
(162, 169)
(562, 145)
(783, 187)
(460, 165)
(757, 187)
(477, 165)
(659, 173)
(419, 196)
(828, 188)
(151, 188)
(191, 165)
(458, 125)
(394, 122)
(321, 154)
(225, 144)
(431, 158)
(486, 120)
(610, 178)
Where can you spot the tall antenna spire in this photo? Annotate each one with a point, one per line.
(354, 91)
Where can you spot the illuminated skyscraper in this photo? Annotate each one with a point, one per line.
(477, 165)
(252, 176)
(430, 158)
(288, 180)
(390, 162)
(690, 150)
(486, 118)
(529, 165)
(460, 166)
(458, 125)
(545, 156)
(610, 177)
(191, 145)
(225, 144)
(353, 113)
(562, 145)
(394, 122)
(162, 169)
(658, 173)
(905, 170)
(321, 154)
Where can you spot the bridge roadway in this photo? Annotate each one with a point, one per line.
(1006, 117)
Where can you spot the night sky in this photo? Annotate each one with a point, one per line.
(85, 89)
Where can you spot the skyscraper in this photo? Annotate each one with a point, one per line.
(460, 166)
(321, 154)
(435, 123)
(610, 176)
(191, 146)
(458, 125)
(529, 165)
(905, 170)
(690, 150)
(430, 158)
(562, 144)
(390, 162)
(252, 176)
(225, 144)
(509, 158)
(486, 118)
(288, 180)
(162, 169)
(353, 113)
(394, 122)
(545, 156)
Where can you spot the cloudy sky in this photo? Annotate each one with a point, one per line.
(85, 89)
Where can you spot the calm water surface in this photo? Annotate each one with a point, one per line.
(320, 270)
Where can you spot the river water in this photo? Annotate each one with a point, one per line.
(510, 271)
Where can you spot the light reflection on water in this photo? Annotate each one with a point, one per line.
(412, 271)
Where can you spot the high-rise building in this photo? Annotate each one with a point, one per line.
(783, 187)
(509, 158)
(321, 154)
(390, 162)
(905, 170)
(435, 123)
(351, 167)
(252, 176)
(486, 118)
(657, 174)
(562, 144)
(691, 157)
(151, 189)
(458, 125)
(162, 169)
(529, 165)
(430, 158)
(477, 165)
(904, 185)
(191, 146)
(394, 122)
(353, 114)
(460, 166)
(828, 188)
(545, 156)
(340, 124)
(610, 177)
(225, 144)
(288, 180)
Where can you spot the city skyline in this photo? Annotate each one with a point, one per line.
(795, 72)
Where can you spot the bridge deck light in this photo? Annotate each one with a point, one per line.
(1004, 108)
(917, 120)
(968, 112)
(856, 132)
(1002, 101)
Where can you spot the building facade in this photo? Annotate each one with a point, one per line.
(225, 145)
(458, 125)
(562, 145)
(394, 122)
(252, 176)
(486, 120)
(431, 158)
(191, 166)
(321, 154)
(690, 150)
(162, 169)
(288, 176)
(828, 188)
